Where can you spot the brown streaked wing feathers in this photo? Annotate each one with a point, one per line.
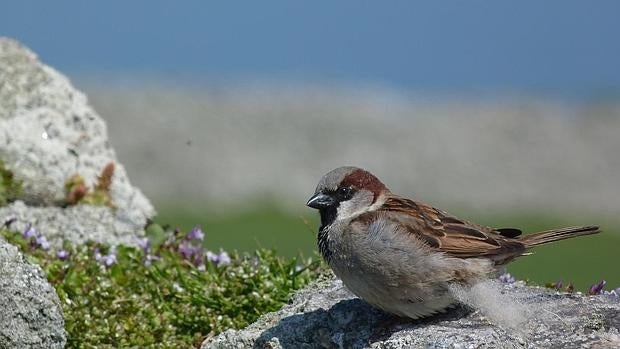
(449, 234)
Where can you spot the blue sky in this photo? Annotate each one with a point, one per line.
(567, 48)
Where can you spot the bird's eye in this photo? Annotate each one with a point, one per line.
(345, 193)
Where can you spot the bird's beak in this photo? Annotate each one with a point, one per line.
(320, 201)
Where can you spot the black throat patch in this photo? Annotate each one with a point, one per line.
(328, 216)
(323, 242)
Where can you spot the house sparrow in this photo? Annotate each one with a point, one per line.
(402, 255)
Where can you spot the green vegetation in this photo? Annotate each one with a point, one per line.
(77, 192)
(583, 261)
(9, 187)
(169, 294)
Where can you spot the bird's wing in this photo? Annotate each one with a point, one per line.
(451, 235)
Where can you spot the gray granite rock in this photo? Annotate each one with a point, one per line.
(77, 224)
(48, 132)
(326, 315)
(30, 315)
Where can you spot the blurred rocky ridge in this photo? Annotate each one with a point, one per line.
(273, 142)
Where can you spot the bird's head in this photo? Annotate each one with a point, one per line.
(346, 192)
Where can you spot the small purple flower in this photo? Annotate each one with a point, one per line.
(221, 258)
(29, 232)
(144, 244)
(597, 288)
(62, 254)
(211, 257)
(196, 234)
(109, 259)
(42, 242)
(224, 258)
(558, 285)
(148, 260)
(7, 224)
(199, 259)
(188, 250)
(106, 260)
(98, 255)
(507, 278)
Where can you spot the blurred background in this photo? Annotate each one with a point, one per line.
(227, 114)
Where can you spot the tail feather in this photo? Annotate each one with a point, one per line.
(548, 236)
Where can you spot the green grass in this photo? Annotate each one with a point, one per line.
(583, 260)
(261, 226)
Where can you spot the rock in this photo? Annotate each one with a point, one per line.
(51, 133)
(77, 224)
(48, 133)
(30, 316)
(326, 315)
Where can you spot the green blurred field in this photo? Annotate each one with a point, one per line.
(583, 261)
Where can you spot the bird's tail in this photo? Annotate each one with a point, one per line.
(548, 236)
